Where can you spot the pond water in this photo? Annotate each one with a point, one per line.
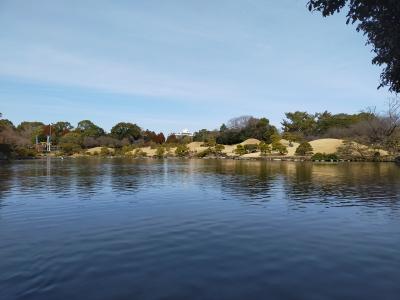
(199, 229)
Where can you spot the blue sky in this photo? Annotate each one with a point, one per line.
(168, 65)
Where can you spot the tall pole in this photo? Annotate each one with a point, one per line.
(49, 140)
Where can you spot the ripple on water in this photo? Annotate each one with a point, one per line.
(199, 229)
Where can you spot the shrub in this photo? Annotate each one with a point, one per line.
(218, 148)
(204, 153)
(70, 148)
(23, 152)
(71, 143)
(182, 150)
(139, 153)
(279, 147)
(240, 150)
(346, 150)
(104, 151)
(304, 149)
(160, 152)
(324, 157)
(126, 148)
(209, 143)
(5, 151)
(251, 148)
(264, 148)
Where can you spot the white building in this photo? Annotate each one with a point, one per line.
(184, 132)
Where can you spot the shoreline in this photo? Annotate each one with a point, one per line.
(267, 158)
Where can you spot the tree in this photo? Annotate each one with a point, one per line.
(327, 121)
(304, 149)
(279, 147)
(160, 152)
(292, 137)
(182, 150)
(251, 148)
(240, 150)
(245, 127)
(149, 136)
(71, 142)
(264, 148)
(218, 149)
(6, 123)
(88, 128)
(31, 130)
(126, 130)
(383, 129)
(160, 139)
(379, 20)
(62, 127)
(172, 139)
(299, 122)
(239, 122)
(205, 136)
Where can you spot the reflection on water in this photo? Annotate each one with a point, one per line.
(199, 229)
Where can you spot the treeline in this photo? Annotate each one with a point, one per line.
(379, 130)
(23, 138)
(372, 128)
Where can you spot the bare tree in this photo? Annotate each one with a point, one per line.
(382, 129)
(239, 122)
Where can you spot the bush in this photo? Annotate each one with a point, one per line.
(218, 148)
(182, 150)
(240, 150)
(139, 153)
(264, 148)
(251, 148)
(346, 150)
(279, 147)
(304, 149)
(105, 151)
(23, 152)
(209, 143)
(70, 148)
(160, 152)
(324, 157)
(204, 153)
(5, 151)
(126, 148)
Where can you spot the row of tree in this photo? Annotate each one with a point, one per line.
(381, 130)
(378, 129)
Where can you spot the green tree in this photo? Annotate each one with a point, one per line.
(104, 151)
(380, 22)
(31, 130)
(240, 150)
(182, 150)
(71, 142)
(251, 148)
(160, 152)
(299, 122)
(218, 149)
(279, 147)
(6, 123)
(130, 131)
(62, 127)
(304, 149)
(264, 148)
(245, 127)
(88, 128)
(172, 139)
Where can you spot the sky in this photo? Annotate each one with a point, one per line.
(169, 65)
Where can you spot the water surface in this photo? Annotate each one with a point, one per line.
(199, 229)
